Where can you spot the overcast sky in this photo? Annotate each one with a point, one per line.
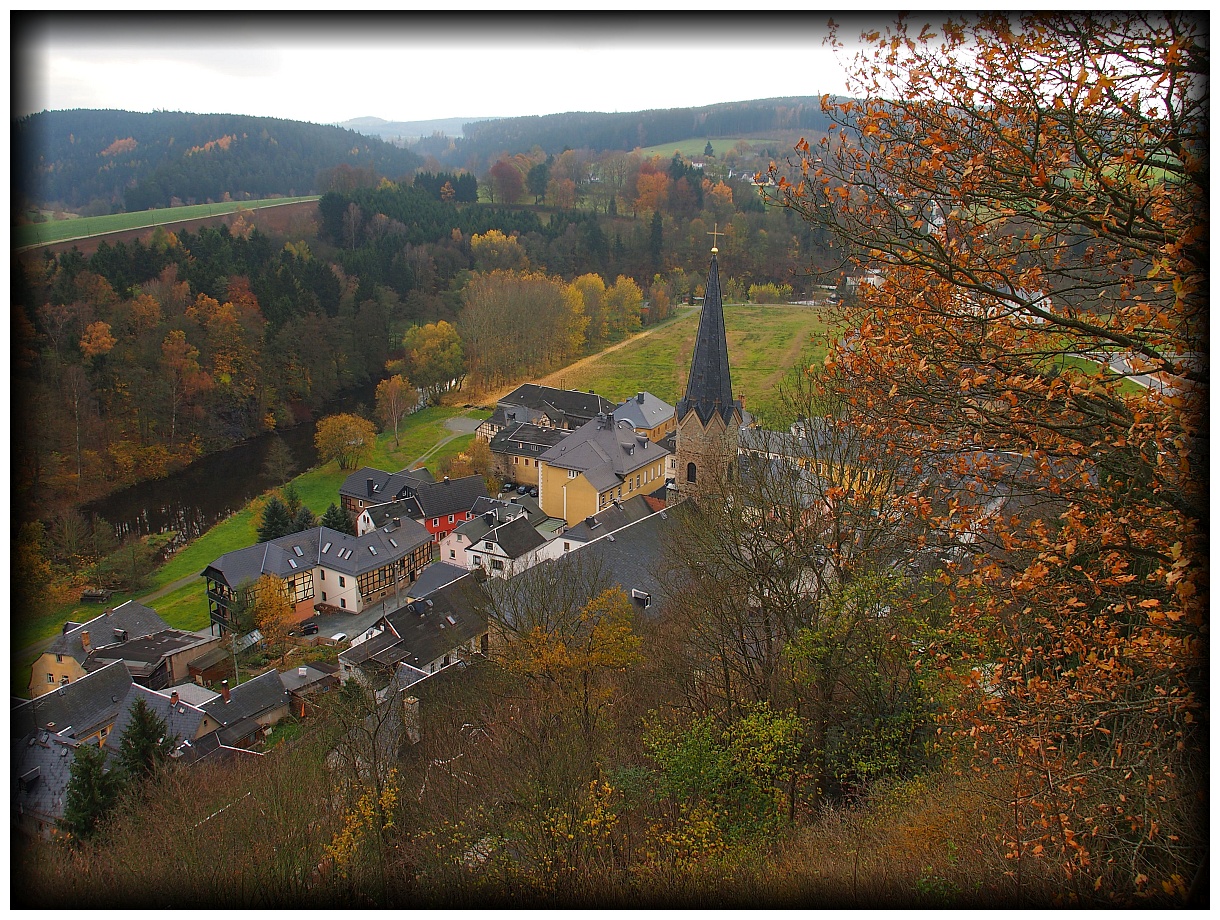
(409, 68)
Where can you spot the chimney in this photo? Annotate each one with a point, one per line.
(397, 522)
(368, 487)
(173, 698)
(224, 690)
(410, 717)
(84, 640)
(639, 397)
(446, 479)
(300, 673)
(489, 517)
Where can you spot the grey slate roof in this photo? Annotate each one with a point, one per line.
(525, 438)
(294, 680)
(450, 496)
(424, 626)
(144, 654)
(605, 451)
(385, 486)
(516, 537)
(568, 408)
(629, 557)
(86, 704)
(136, 619)
(42, 765)
(433, 578)
(708, 388)
(249, 700)
(615, 517)
(644, 410)
(407, 511)
(182, 720)
(320, 546)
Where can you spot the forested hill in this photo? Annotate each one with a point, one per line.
(627, 130)
(109, 160)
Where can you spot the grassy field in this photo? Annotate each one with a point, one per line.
(55, 231)
(694, 146)
(186, 607)
(764, 341)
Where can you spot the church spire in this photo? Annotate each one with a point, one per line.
(709, 389)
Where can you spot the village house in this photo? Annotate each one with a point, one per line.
(307, 682)
(246, 712)
(489, 513)
(427, 634)
(650, 415)
(603, 460)
(508, 548)
(185, 722)
(320, 566)
(617, 516)
(64, 659)
(544, 406)
(438, 507)
(517, 447)
(42, 767)
(155, 661)
(368, 486)
(84, 709)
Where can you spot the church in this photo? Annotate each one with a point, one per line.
(709, 418)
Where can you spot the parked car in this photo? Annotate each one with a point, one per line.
(507, 487)
(533, 493)
(338, 637)
(309, 629)
(523, 490)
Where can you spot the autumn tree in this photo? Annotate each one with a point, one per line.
(183, 376)
(435, 358)
(344, 438)
(494, 250)
(395, 397)
(505, 182)
(272, 611)
(1031, 193)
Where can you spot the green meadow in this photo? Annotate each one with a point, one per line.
(765, 341)
(56, 231)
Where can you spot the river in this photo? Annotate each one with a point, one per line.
(209, 490)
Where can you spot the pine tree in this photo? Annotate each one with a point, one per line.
(304, 520)
(337, 519)
(91, 792)
(145, 745)
(292, 499)
(276, 521)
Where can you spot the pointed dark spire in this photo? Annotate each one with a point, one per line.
(708, 388)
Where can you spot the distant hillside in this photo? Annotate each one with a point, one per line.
(407, 130)
(627, 130)
(107, 160)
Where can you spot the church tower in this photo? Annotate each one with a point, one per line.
(708, 416)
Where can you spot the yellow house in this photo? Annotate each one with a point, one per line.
(604, 460)
(64, 660)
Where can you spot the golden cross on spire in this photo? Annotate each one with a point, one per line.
(713, 234)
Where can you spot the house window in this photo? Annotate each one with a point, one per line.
(359, 504)
(446, 661)
(452, 554)
(486, 544)
(50, 678)
(572, 474)
(516, 461)
(59, 659)
(322, 574)
(436, 522)
(566, 546)
(343, 603)
(690, 472)
(497, 565)
(342, 582)
(476, 560)
(451, 519)
(324, 596)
